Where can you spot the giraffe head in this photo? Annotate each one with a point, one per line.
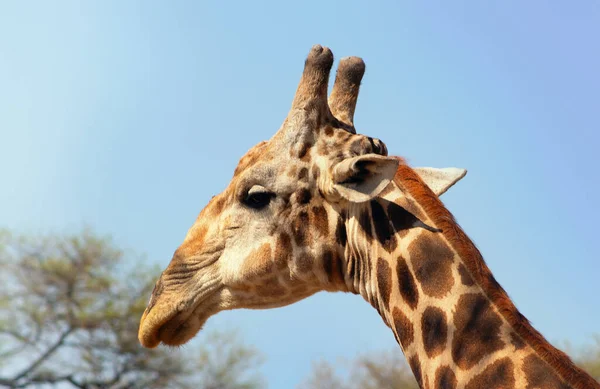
(275, 235)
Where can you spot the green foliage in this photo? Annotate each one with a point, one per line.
(69, 315)
(324, 375)
(588, 358)
(228, 364)
(385, 370)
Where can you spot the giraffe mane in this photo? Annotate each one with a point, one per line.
(406, 178)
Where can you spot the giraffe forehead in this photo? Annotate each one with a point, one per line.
(265, 155)
(249, 159)
(302, 150)
(271, 167)
(275, 174)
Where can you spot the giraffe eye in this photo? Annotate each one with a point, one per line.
(258, 197)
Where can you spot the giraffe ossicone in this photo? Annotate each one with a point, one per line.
(319, 207)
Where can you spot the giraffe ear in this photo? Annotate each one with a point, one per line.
(440, 180)
(362, 178)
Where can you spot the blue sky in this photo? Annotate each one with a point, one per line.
(129, 116)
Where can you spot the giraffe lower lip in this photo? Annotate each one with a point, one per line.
(173, 321)
(177, 333)
(183, 326)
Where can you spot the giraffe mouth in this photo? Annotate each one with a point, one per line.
(176, 324)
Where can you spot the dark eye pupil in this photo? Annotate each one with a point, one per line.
(258, 200)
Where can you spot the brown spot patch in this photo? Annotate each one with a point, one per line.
(319, 220)
(270, 288)
(402, 220)
(356, 147)
(333, 266)
(431, 259)
(283, 250)
(300, 228)
(384, 281)
(341, 236)
(415, 366)
(259, 262)
(383, 227)
(434, 328)
(465, 277)
(303, 196)
(328, 131)
(539, 374)
(445, 378)
(328, 263)
(354, 266)
(404, 328)
(304, 153)
(305, 262)
(303, 174)
(477, 330)
(406, 283)
(516, 341)
(293, 171)
(498, 375)
(364, 220)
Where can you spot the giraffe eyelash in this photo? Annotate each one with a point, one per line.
(258, 197)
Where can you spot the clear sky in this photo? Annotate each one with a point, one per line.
(129, 116)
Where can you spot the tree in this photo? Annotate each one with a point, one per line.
(227, 364)
(384, 370)
(588, 358)
(69, 314)
(324, 375)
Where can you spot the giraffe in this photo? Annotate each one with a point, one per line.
(319, 207)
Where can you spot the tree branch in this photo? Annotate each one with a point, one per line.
(52, 380)
(10, 353)
(45, 355)
(15, 334)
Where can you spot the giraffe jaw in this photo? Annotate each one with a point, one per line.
(176, 324)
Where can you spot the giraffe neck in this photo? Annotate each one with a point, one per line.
(455, 324)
